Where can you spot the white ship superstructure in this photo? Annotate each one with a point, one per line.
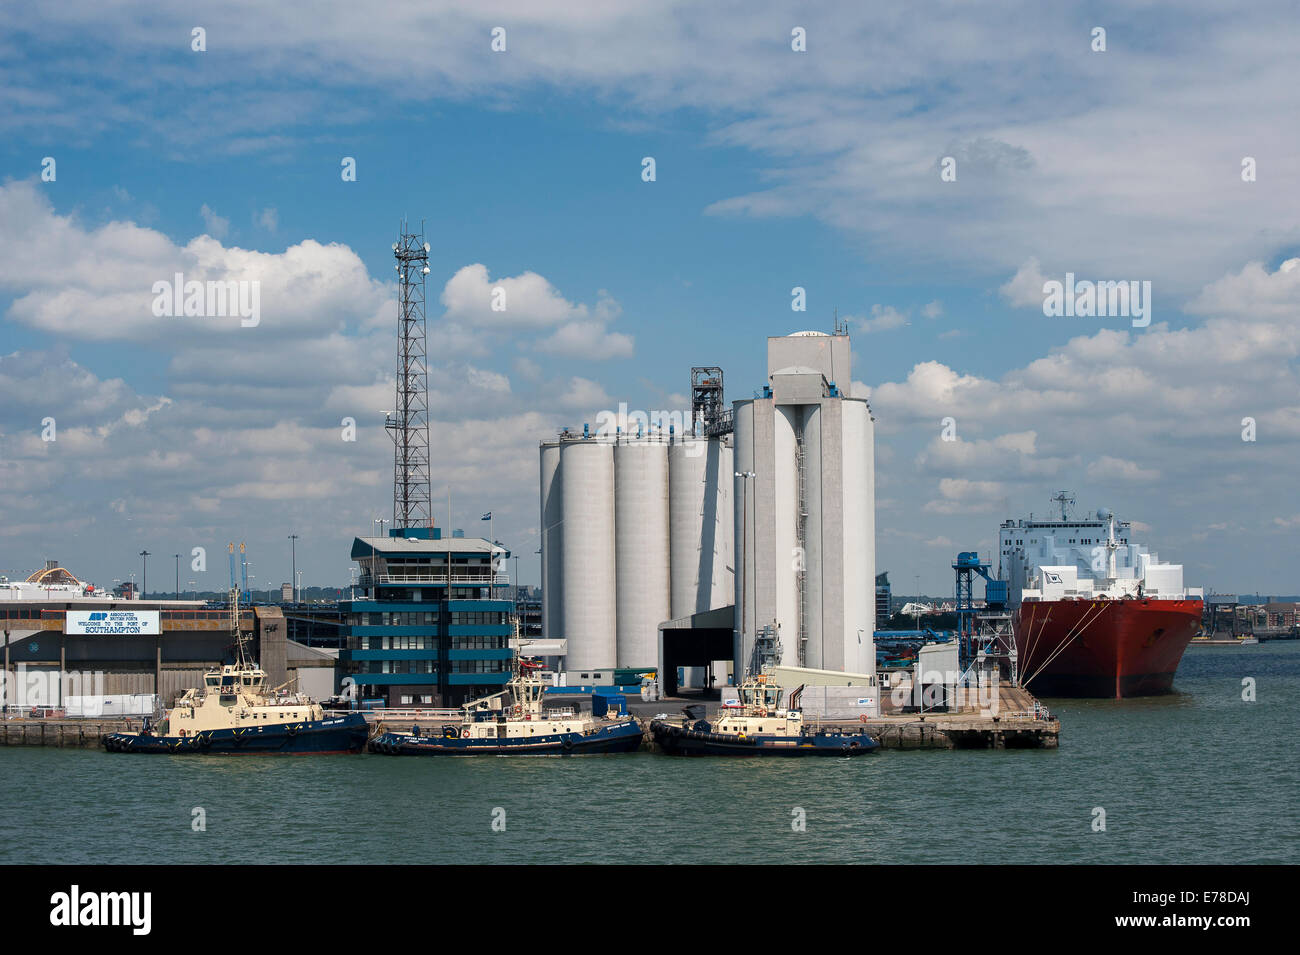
(53, 583)
(1043, 560)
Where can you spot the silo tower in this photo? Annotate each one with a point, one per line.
(805, 510)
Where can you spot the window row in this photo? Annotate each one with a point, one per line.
(478, 618)
(480, 666)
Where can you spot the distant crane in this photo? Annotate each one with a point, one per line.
(981, 631)
(243, 563)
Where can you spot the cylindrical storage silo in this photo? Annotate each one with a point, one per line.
(859, 652)
(715, 587)
(725, 559)
(687, 465)
(552, 540)
(743, 509)
(641, 558)
(588, 557)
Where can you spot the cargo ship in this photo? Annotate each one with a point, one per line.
(1094, 614)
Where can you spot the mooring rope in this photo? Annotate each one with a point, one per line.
(1070, 638)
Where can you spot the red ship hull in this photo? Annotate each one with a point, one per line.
(1103, 648)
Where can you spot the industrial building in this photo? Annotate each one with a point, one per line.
(432, 625)
(805, 505)
(54, 647)
(745, 538)
(636, 531)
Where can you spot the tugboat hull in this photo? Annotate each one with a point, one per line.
(343, 734)
(619, 738)
(678, 740)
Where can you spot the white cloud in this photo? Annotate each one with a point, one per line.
(1025, 288)
(963, 496)
(1107, 468)
(218, 227)
(584, 395)
(587, 340)
(1253, 294)
(106, 290)
(883, 318)
(532, 303)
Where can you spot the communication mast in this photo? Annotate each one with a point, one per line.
(409, 423)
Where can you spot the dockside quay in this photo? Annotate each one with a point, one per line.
(432, 624)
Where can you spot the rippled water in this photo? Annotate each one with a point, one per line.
(1199, 776)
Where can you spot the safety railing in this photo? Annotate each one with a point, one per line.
(423, 713)
(368, 580)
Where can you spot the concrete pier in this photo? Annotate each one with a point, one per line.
(55, 732)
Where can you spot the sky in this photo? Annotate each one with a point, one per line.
(920, 170)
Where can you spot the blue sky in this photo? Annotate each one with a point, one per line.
(775, 169)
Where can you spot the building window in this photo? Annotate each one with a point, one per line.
(478, 642)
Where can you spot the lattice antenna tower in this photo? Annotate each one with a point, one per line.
(409, 423)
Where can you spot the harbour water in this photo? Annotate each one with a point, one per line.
(1200, 776)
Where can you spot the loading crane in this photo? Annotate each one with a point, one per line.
(982, 633)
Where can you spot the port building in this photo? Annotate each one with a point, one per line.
(431, 624)
(54, 644)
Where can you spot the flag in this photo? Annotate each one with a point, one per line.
(486, 517)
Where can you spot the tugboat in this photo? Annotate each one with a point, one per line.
(234, 712)
(758, 726)
(513, 722)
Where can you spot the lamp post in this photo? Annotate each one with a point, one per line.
(144, 576)
(293, 551)
(178, 575)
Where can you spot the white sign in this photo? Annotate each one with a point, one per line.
(110, 623)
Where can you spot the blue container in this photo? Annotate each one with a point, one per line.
(605, 703)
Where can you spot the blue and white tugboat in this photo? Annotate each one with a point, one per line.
(514, 723)
(758, 726)
(234, 712)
